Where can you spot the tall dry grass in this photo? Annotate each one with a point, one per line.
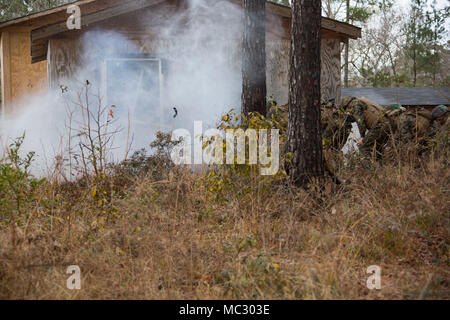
(208, 235)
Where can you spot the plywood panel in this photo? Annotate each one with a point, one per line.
(63, 60)
(5, 57)
(278, 69)
(277, 64)
(331, 69)
(26, 78)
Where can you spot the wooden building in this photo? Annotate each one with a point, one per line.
(38, 51)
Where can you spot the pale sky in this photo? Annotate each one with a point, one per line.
(402, 7)
(440, 4)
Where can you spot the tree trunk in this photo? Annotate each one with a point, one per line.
(346, 53)
(347, 43)
(304, 129)
(415, 64)
(254, 57)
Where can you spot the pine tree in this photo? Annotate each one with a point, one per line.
(415, 36)
(435, 20)
(254, 88)
(304, 128)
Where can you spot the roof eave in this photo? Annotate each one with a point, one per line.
(344, 29)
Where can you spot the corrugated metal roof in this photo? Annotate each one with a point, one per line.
(403, 96)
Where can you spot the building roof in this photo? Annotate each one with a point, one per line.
(403, 96)
(41, 18)
(23, 20)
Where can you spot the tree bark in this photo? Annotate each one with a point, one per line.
(304, 129)
(415, 63)
(254, 89)
(347, 43)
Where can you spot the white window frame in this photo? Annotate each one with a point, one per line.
(160, 77)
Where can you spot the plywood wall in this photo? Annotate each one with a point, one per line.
(5, 60)
(330, 79)
(277, 66)
(63, 61)
(278, 69)
(64, 55)
(146, 38)
(20, 78)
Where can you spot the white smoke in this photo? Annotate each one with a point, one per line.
(199, 51)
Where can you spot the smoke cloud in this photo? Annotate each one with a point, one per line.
(185, 60)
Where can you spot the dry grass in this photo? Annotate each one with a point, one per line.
(186, 237)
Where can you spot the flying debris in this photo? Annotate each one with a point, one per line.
(63, 88)
(176, 113)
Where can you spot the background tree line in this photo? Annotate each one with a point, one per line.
(10, 9)
(409, 48)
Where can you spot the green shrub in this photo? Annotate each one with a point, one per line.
(18, 187)
(157, 165)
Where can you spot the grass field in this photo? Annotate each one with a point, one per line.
(170, 233)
